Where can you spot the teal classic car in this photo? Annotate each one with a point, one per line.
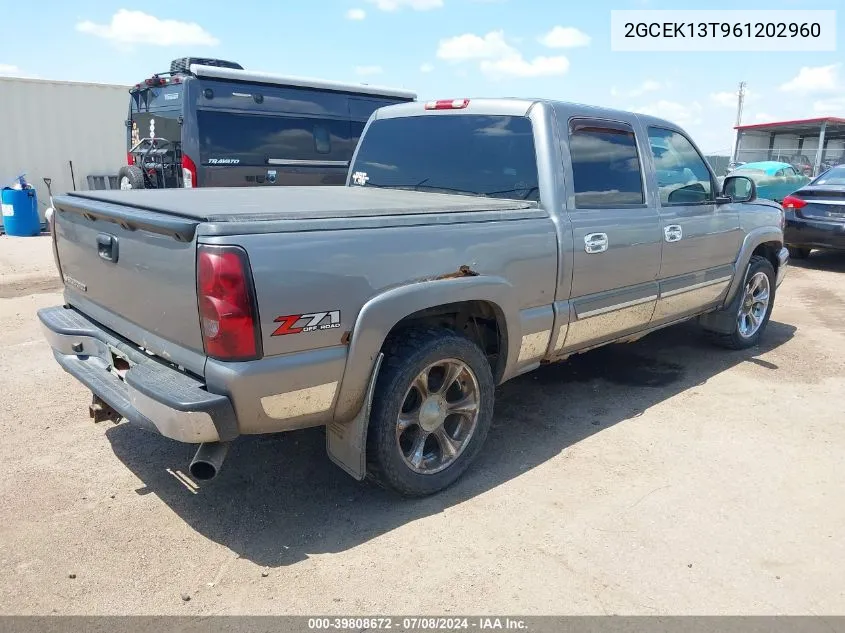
(774, 180)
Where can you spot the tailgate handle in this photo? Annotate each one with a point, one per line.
(107, 247)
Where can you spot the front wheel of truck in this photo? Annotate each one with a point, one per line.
(752, 306)
(432, 409)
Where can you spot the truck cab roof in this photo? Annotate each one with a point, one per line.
(511, 106)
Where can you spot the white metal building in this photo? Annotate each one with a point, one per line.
(47, 125)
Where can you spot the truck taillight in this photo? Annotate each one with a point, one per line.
(447, 104)
(227, 308)
(130, 159)
(189, 172)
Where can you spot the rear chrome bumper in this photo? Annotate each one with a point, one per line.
(150, 394)
(783, 256)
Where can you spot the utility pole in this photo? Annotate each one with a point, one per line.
(739, 103)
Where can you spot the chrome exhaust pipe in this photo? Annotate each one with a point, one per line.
(208, 460)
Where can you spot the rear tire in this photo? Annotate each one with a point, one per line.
(423, 433)
(796, 252)
(752, 306)
(130, 177)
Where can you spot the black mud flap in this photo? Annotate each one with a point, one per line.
(346, 442)
(724, 321)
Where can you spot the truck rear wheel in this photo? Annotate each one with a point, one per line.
(130, 177)
(432, 409)
(752, 306)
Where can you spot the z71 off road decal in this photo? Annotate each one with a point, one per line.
(305, 323)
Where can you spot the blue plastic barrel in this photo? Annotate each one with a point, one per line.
(20, 212)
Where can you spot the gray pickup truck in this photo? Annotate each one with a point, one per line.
(474, 241)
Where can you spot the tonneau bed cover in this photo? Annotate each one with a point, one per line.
(294, 203)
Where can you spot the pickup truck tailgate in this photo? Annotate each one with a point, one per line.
(134, 271)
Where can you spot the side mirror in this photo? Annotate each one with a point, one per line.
(738, 189)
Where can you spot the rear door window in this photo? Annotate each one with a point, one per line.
(261, 139)
(605, 165)
(450, 153)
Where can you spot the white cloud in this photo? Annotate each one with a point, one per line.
(725, 99)
(356, 14)
(764, 117)
(679, 113)
(426, 68)
(498, 59)
(517, 66)
(564, 37)
(649, 85)
(10, 70)
(814, 79)
(728, 99)
(833, 106)
(470, 46)
(136, 27)
(368, 70)
(416, 5)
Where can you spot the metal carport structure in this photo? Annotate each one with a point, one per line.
(818, 143)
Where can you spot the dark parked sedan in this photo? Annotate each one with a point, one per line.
(815, 214)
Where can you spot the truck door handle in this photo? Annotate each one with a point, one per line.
(107, 247)
(673, 232)
(595, 242)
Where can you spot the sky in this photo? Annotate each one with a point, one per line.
(440, 49)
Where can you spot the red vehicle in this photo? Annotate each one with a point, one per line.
(802, 164)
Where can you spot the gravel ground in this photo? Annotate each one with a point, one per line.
(659, 477)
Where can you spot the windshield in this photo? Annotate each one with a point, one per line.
(833, 176)
(465, 154)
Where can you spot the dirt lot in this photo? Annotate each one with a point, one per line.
(660, 477)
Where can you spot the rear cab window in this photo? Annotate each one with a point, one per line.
(469, 154)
